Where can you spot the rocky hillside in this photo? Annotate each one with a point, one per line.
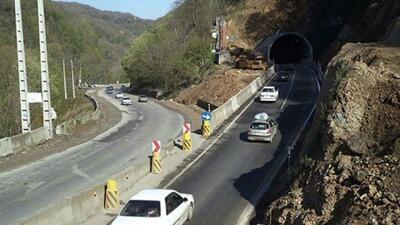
(348, 172)
(327, 24)
(352, 175)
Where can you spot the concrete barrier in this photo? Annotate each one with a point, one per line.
(227, 109)
(67, 126)
(5, 147)
(80, 207)
(15, 144)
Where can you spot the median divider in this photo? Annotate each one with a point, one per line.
(227, 109)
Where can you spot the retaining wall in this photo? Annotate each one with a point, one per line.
(14, 144)
(227, 109)
(67, 126)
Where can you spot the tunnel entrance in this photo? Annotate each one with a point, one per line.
(290, 48)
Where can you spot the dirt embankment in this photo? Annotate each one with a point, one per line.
(351, 172)
(218, 88)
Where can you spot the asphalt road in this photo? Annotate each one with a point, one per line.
(31, 187)
(225, 181)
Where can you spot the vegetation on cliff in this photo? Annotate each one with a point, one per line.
(95, 40)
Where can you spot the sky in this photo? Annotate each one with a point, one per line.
(146, 9)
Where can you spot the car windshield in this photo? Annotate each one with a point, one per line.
(126, 98)
(259, 126)
(268, 90)
(139, 208)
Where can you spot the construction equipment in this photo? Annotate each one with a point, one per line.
(249, 60)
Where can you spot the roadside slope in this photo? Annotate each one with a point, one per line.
(349, 174)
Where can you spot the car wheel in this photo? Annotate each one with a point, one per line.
(190, 213)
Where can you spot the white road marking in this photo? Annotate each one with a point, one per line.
(215, 140)
(266, 182)
(290, 88)
(79, 172)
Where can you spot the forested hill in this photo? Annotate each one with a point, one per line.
(115, 30)
(92, 38)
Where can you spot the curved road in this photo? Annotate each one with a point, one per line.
(226, 181)
(31, 187)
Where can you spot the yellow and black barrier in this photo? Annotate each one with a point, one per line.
(206, 128)
(156, 158)
(156, 164)
(187, 142)
(112, 196)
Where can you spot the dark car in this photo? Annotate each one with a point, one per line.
(283, 76)
(109, 90)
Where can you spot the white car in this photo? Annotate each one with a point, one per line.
(126, 101)
(143, 98)
(269, 94)
(119, 95)
(157, 207)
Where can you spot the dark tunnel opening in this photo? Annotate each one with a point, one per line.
(290, 48)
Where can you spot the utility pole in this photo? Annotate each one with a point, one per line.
(73, 78)
(218, 44)
(80, 75)
(23, 83)
(44, 67)
(65, 82)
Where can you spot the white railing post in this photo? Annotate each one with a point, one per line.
(23, 82)
(44, 67)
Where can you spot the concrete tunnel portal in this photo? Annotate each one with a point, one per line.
(287, 48)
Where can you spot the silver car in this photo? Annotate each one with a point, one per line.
(143, 98)
(262, 130)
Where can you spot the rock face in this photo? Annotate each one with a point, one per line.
(353, 177)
